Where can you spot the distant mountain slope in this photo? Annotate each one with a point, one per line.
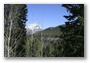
(37, 30)
(51, 31)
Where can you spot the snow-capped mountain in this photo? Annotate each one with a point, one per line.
(33, 28)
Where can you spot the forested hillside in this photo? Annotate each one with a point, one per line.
(51, 31)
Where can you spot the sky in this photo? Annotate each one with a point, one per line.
(46, 15)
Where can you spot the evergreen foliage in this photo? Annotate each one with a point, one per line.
(73, 32)
(14, 29)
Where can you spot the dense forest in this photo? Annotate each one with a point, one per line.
(65, 40)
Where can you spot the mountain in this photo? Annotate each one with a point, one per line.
(37, 30)
(51, 31)
(33, 28)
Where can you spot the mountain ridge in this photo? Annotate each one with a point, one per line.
(50, 30)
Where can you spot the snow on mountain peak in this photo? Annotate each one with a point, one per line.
(32, 28)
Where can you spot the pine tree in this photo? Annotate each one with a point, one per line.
(73, 31)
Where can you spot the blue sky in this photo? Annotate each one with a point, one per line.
(50, 15)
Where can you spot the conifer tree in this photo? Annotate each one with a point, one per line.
(73, 31)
